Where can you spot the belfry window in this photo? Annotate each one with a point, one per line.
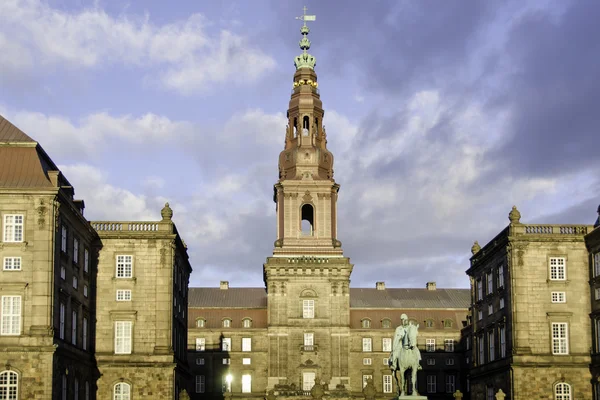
(308, 215)
(305, 124)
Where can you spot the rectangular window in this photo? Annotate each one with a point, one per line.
(560, 297)
(63, 272)
(386, 361)
(246, 383)
(597, 264)
(86, 261)
(479, 315)
(61, 324)
(500, 276)
(200, 344)
(64, 387)
(11, 315)
(12, 263)
(76, 389)
(597, 294)
(85, 290)
(226, 384)
(449, 361)
(76, 250)
(246, 344)
(429, 345)
(87, 390)
(308, 308)
(366, 379)
(13, 228)
(501, 303)
(502, 341)
(491, 346)
(74, 328)
(490, 393)
(63, 238)
(479, 289)
(558, 269)
(199, 361)
(387, 384)
(490, 283)
(450, 383)
(490, 309)
(200, 383)
(75, 282)
(431, 383)
(560, 338)
(449, 345)
(123, 295)
(430, 361)
(481, 359)
(226, 361)
(226, 344)
(123, 337)
(309, 339)
(124, 266)
(84, 327)
(246, 361)
(367, 344)
(367, 361)
(386, 344)
(308, 380)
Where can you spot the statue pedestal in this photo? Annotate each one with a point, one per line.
(411, 397)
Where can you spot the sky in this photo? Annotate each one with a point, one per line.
(441, 116)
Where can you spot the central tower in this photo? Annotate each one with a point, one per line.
(308, 277)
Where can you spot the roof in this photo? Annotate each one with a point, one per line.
(359, 298)
(409, 298)
(11, 134)
(227, 298)
(21, 167)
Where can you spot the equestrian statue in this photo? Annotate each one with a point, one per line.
(405, 355)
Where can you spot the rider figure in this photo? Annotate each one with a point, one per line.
(401, 339)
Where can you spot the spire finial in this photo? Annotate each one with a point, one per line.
(305, 59)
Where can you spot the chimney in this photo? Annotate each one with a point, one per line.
(380, 285)
(430, 286)
(224, 285)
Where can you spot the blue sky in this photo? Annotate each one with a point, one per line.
(441, 115)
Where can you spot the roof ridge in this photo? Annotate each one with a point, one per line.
(10, 133)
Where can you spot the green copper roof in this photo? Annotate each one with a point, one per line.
(305, 59)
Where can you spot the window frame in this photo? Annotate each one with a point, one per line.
(124, 394)
(246, 344)
(200, 383)
(13, 261)
(74, 320)
(386, 344)
(64, 238)
(564, 395)
(11, 320)
(246, 383)
(200, 344)
(491, 346)
(123, 293)
(431, 384)
(449, 345)
(367, 345)
(12, 382)
(125, 263)
(560, 342)
(450, 383)
(429, 345)
(75, 250)
(226, 344)
(502, 341)
(13, 227)
(124, 342)
(387, 385)
(560, 267)
(308, 308)
(86, 260)
(84, 333)
(559, 297)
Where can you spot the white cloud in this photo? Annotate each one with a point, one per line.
(186, 55)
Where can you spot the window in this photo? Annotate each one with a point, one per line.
(386, 344)
(308, 308)
(490, 309)
(75, 250)
(122, 391)
(226, 344)
(63, 238)
(559, 338)
(9, 385)
(481, 358)
(200, 383)
(124, 266)
(501, 303)
(562, 391)
(247, 323)
(431, 383)
(386, 361)
(246, 361)
(61, 324)
(13, 228)
(246, 344)
(490, 393)
(63, 272)
(12, 263)
(430, 361)
(365, 323)
(200, 344)
(74, 327)
(64, 387)
(597, 264)
(429, 323)
(387, 384)
(75, 282)
(479, 289)
(490, 283)
(123, 337)
(11, 315)
(226, 361)
(309, 340)
(449, 361)
(226, 323)
(468, 343)
(200, 323)
(226, 384)
(366, 379)
(76, 389)
(367, 361)
(386, 323)
(84, 327)
(366, 344)
(123, 295)
(491, 348)
(449, 345)
(447, 323)
(450, 383)
(199, 361)
(479, 315)
(308, 380)
(246, 383)
(86, 261)
(500, 277)
(559, 297)
(557, 269)
(87, 390)
(85, 290)
(429, 345)
(597, 293)
(502, 334)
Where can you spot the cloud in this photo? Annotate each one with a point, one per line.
(184, 54)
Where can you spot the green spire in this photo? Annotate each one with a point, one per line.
(305, 59)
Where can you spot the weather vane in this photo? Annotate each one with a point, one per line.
(305, 59)
(306, 17)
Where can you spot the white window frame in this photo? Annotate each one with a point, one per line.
(479, 287)
(559, 297)
(76, 250)
(490, 282)
(449, 345)
(74, 328)
(227, 323)
(367, 345)
(11, 310)
(386, 344)
(200, 323)
(64, 234)
(431, 384)
(10, 384)
(124, 266)
(558, 268)
(597, 264)
(430, 345)
(560, 338)
(308, 308)
(502, 338)
(13, 228)
(61, 320)
(308, 380)
(366, 378)
(200, 344)
(84, 333)
(226, 361)
(246, 361)
(86, 260)
(123, 295)
(387, 384)
(365, 323)
(226, 344)
(386, 361)
(562, 391)
(309, 339)
(597, 294)
(123, 337)
(122, 391)
(246, 383)
(246, 344)
(450, 383)
(12, 264)
(367, 361)
(247, 323)
(200, 383)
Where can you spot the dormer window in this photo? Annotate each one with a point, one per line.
(227, 323)
(200, 323)
(247, 323)
(386, 323)
(365, 323)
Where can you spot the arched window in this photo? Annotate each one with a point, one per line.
(247, 323)
(386, 323)
(305, 124)
(122, 391)
(562, 391)
(200, 323)
(447, 323)
(365, 323)
(295, 127)
(308, 218)
(429, 323)
(9, 385)
(226, 323)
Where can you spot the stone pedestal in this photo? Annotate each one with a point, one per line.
(411, 397)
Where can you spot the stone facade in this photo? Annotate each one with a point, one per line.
(592, 241)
